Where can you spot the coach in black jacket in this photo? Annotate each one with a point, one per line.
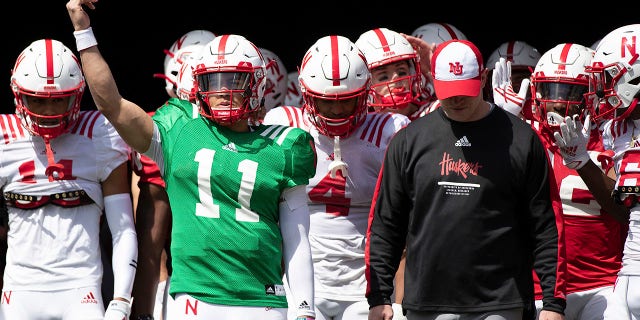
(469, 191)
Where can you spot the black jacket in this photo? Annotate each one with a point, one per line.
(472, 202)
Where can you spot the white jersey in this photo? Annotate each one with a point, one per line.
(339, 207)
(53, 247)
(424, 109)
(623, 137)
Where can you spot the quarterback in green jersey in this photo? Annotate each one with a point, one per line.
(236, 188)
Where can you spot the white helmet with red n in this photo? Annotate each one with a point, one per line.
(382, 48)
(614, 83)
(185, 86)
(523, 58)
(47, 69)
(560, 79)
(335, 69)
(277, 77)
(183, 47)
(438, 33)
(230, 65)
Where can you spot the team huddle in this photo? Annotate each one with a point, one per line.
(393, 177)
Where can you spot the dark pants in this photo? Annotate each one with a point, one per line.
(510, 314)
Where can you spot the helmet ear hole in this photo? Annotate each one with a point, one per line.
(635, 81)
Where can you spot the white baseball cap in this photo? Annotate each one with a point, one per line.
(456, 67)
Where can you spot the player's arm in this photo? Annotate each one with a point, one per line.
(119, 214)
(601, 185)
(294, 221)
(153, 218)
(572, 141)
(133, 124)
(547, 228)
(294, 226)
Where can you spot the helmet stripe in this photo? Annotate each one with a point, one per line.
(563, 56)
(335, 61)
(510, 47)
(383, 40)
(222, 47)
(49, 57)
(450, 30)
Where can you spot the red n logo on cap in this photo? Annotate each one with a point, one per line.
(455, 68)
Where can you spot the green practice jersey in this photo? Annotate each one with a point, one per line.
(224, 188)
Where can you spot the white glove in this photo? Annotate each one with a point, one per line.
(397, 312)
(572, 140)
(503, 94)
(118, 310)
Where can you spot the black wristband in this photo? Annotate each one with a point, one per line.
(145, 317)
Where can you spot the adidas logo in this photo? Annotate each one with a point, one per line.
(89, 298)
(230, 147)
(270, 290)
(280, 290)
(463, 142)
(304, 306)
(274, 289)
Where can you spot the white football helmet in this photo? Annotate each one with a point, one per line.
(438, 33)
(614, 80)
(383, 47)
(520, 53)
(177, 53)
(559, 82)
(229, 66)
(335, 69)
(276, 88)
(294, 94)
(523, 58)
(47, 69)
(185, 86)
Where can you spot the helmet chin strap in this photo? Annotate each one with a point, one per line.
(55, 171)
(337, 163)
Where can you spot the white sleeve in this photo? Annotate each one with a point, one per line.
(276, 116)
(155, 149)
(294, 226)
(119, 212)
